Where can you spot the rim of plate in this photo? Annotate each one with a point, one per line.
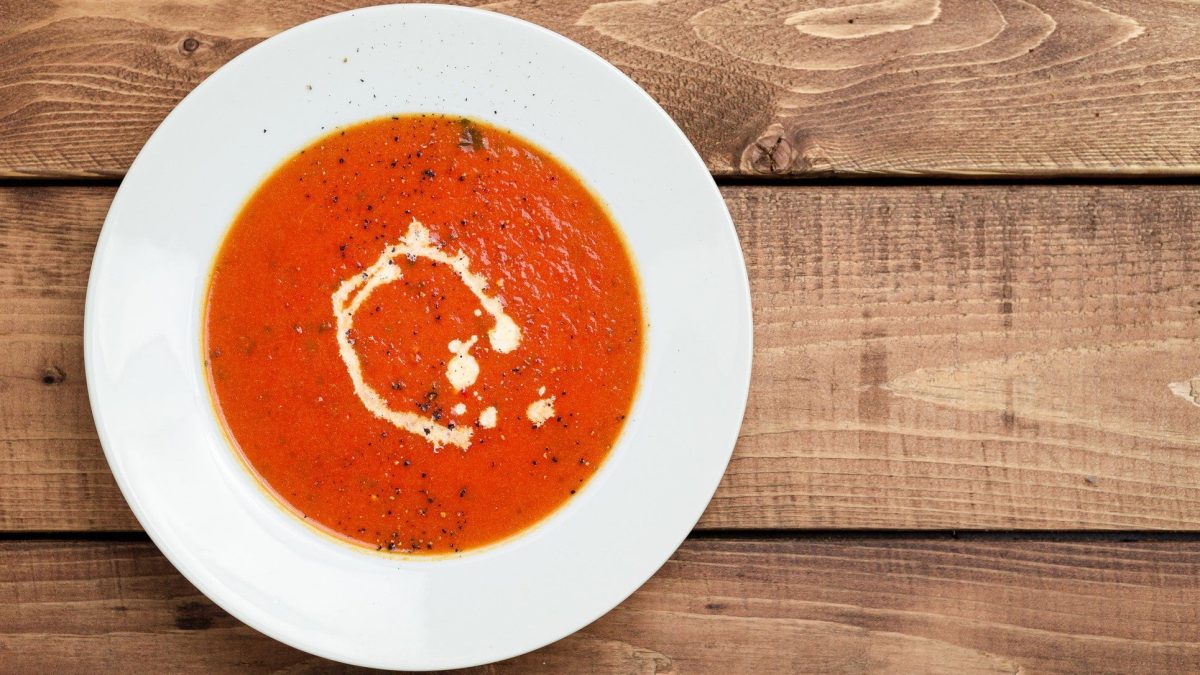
(208, 515)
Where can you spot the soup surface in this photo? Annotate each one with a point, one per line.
(423, 334)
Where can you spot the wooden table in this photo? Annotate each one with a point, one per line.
(973, 436)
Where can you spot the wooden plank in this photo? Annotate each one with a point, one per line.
(907, 87)
(926, 357)
(53, 475)
(982, 357)
(858, 605)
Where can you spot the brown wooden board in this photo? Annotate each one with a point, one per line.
(974, 87)
(789, 606)
(925, 357)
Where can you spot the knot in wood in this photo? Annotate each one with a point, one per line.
(771, 153)
(53, 375)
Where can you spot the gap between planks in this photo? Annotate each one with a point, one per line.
(751, 535)
(781, 181)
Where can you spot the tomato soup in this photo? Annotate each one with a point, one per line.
(423, 334)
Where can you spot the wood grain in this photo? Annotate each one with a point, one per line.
(985, 357)
(865, 605)
(972, 87)
(925, 357)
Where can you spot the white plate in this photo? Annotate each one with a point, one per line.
(146, 379)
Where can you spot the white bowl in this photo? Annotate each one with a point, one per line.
(147, 383)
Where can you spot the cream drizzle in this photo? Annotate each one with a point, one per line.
(504, 336)
(487, 418)
(540, 410)
(463, 369)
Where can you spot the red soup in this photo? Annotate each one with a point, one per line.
(423, 334)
